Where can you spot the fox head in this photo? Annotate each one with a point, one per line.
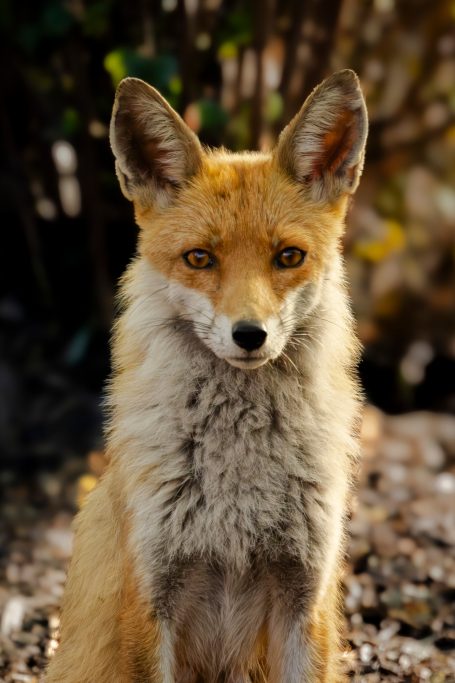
(244, 242)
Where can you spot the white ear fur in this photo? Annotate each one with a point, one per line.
(323, 147)
(155, 150)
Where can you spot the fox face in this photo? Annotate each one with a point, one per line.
(243, 242)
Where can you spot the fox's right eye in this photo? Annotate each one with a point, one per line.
(199, 258)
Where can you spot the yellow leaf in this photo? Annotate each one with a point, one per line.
(376, 250)
(85, 484)
(227, 50)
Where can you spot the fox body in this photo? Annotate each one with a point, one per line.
(211, 549)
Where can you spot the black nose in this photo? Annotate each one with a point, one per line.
(249, 334)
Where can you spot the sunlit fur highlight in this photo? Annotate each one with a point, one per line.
(211, 550)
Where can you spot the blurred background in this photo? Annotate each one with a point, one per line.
(236, 72)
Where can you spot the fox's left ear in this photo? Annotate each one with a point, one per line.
(155, 151)
(323, 147)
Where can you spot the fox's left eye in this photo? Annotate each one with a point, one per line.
(199, 258)
(291, 257)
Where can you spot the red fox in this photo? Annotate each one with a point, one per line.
(211, 549)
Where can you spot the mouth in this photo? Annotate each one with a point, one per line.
(247, 363)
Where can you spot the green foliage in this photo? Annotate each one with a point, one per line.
(70, 122)
(160, 71)
(273, 110)
(95, 22)
(212, 116)
(237, 28)
(56, 19)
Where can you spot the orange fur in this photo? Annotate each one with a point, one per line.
(244, 237)
(139, 636)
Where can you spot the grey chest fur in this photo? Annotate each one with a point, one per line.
(251, 483)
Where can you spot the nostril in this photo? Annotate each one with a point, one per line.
(249, 334)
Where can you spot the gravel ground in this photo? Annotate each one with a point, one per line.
(400, 583)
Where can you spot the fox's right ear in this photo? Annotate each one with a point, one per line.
(155, 151)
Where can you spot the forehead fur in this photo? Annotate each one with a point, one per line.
(238, 198)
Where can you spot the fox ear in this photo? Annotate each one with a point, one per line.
(155, 151)
(323, 147)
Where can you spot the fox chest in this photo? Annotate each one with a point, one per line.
(239, 485)
(238, 510)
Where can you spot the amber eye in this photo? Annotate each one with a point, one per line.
(199, 258)
(291, 257)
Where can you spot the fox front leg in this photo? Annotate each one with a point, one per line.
(304, 644)
(303, 627)
(289, 657)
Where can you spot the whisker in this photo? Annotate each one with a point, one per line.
(332, 322)
(285, 355)
(199, 312)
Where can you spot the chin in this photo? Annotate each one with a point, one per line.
(247, 363)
